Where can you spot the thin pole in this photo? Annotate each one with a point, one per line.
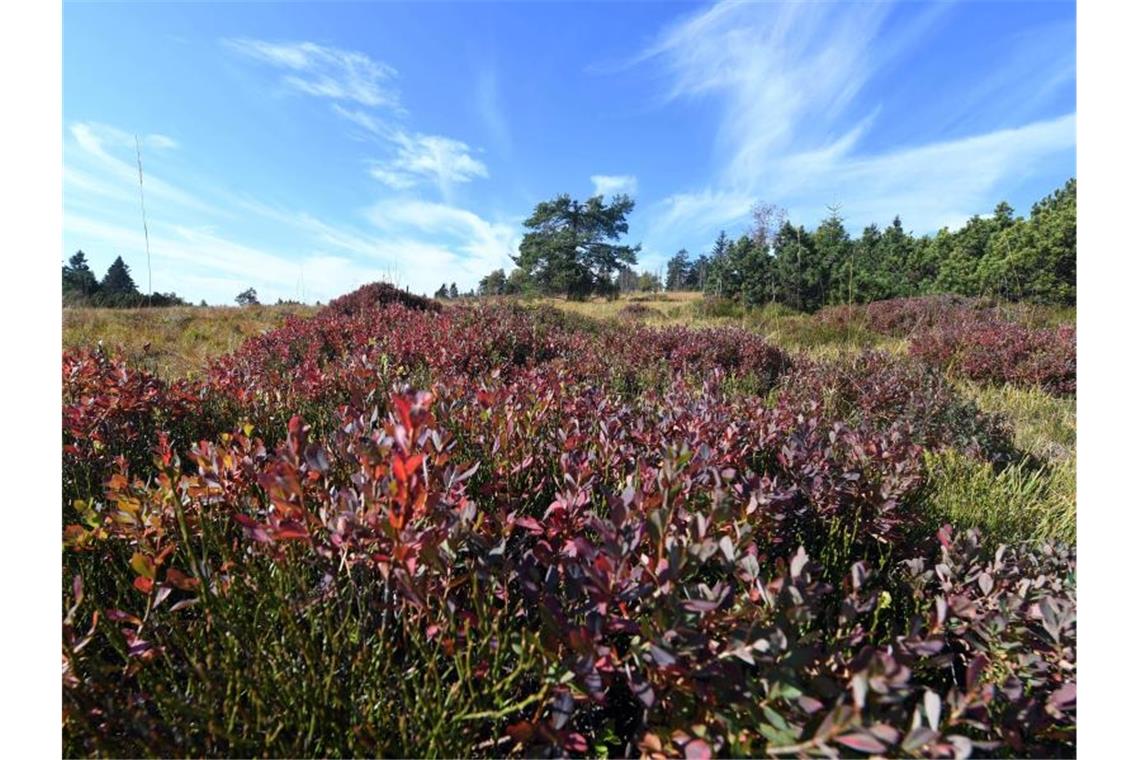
(142, 205)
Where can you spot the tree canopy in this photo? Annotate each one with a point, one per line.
(572, 247)
(117, 289)
(998, 255)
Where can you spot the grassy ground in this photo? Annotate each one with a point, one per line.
(783, 327)
(1033, 498)
(174, 342)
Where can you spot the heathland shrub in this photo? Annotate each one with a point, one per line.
(879, 390)
(973, 338)
(1004, 352)
(379, 294)
(572, 539)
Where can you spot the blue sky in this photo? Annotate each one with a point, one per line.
(306, 149)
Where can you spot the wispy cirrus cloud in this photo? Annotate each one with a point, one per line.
(202, 251)
(370, 102)
(326, 72)
(475, 246)
(108, 155)
(488, 104)
(612, 184)
(440, 160)
(791, 83)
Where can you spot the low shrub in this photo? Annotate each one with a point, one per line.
(379, 294)
(878, 390)
(575, 538)
(637, 311)
(1004, 352)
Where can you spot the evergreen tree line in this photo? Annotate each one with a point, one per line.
(572, 249)
(1014, 258)
(498, 283)
(117, 289)
(453, 292)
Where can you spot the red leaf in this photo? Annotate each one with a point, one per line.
(521, 732)
(180, 580)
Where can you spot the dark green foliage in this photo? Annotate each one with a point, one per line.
(117, 289)
(698, 273)
(1035, 259)
(648, 282)
(78, 279)
(1030, 259)
(518, 283)
(247, 297)
(830, 279)
(798, 269)
(117, 281)
(677, 271)
(572, 246)
(494, 284)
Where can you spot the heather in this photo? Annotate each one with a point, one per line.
(390, 529)
(974, 339)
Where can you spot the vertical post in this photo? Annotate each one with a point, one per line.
(142, 206)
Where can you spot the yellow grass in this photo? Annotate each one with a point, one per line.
(787, 329)
(174, 342)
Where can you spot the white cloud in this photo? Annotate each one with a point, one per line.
(99, 144)
(489, 106)
(607, 184)
(441, 160)
(787, 80)
(94, 133)
(361, 119)
(200, 263)
(484, 245)
(344, 75)
(326, 71)
(934, 185)
(786, 72)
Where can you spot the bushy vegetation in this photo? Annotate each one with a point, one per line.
(395, 529)
(571, 250)
(973, 338)
(1031, 259)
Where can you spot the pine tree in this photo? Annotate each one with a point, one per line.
(117, 281)
(78, 279)
(698, 273)
(494, 284)
(717, 280)
(829, 280)
(572, 246)
(677, 271)
(453, 292)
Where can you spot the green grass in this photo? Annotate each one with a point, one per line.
(1020, 502)
(1033, 499)
(283, 664)
(1044, 426)
(783, 327)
